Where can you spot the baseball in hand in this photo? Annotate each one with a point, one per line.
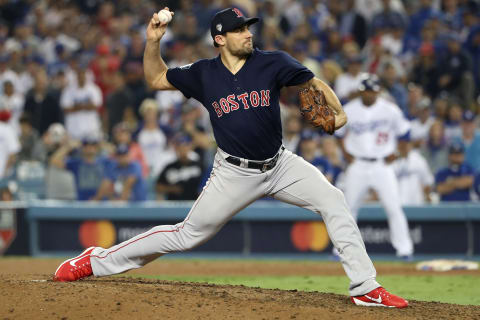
(164, 16)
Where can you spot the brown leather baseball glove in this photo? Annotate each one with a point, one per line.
(315, 109)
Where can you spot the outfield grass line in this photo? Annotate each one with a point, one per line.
(457, 289)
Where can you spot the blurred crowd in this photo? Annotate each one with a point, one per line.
(77, 121)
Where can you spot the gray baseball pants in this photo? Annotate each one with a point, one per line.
(231, 188)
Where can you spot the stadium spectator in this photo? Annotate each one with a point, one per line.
(425, 69)
(134, 80)
(435, 150)
(454, 71)
(59, 182)
(420, 126)
(392, 83)
(453, 183)
(300, 53)
(471, 139)
(80, 104)
(13, 102)
(347, 83)
(415, 94)
(122, 135)
(309, 150)
(118, 100)
(88, 168)
(203, 143)
(415, 180)
(331, 151)
(352, 24)
(123, 178)
(292, 130)
(452, 123)
(180, 180)
(440, 106)
(425, 11)
(6, 73)
(152, 139)
(9, 145)
(104, 65)
(42, 103)
(31, 147)
(452, 14)
(386, 19)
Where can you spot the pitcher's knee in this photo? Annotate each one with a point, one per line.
(331, 201)
(193, 237)
(335, 194)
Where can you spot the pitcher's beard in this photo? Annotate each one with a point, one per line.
(242, 52)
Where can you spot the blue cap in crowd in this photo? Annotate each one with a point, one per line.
(182, 138)
(91, 139)
(122, 149)
(370, 82)
(456, 147)
(468, 115)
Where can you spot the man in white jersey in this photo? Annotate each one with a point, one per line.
(414, 176)
(80, 103)
(9, 144)
(369, 142)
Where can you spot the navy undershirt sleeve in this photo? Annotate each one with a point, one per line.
(187, 79)
(291, 72)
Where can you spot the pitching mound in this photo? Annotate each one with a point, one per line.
(28, 293)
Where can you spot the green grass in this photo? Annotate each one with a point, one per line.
(459, 289)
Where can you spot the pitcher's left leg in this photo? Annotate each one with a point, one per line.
(386, 187)
(298, 182)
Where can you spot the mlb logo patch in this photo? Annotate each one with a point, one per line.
(219, 27)
(8, 229)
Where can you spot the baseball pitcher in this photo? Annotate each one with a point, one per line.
(240, 89)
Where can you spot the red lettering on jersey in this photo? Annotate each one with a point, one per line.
(217, 109)
(233, 104)
(254, 98)
(382, 138)
(265, 98)
(225, 105)
(243, 98)
(238, 12)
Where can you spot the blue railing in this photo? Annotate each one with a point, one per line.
(466, 213)
(261, 210)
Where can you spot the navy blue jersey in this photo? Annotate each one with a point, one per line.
(455, 172)
(243, 107)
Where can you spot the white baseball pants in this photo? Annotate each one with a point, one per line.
(362, 175)
(232, 188)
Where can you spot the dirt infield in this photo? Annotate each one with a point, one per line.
(28, 293)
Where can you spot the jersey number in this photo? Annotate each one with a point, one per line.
(382, 138)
